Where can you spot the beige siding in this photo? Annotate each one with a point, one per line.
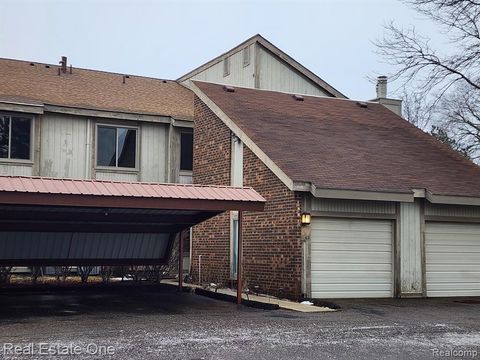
(116, 176)
(153, 152)
(410, 233)
(274, 74)
(15, 170)
(239, 75)
(352, 206)
(64, 147)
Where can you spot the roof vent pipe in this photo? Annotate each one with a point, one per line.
(63, 64)
(382, 87)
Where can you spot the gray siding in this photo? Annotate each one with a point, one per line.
(353, 206)
(64, 147)
(116, 175)
(239, 75)
(275, 74)
(15, 169)
(153, 152)
(410, 239)
(452, 210)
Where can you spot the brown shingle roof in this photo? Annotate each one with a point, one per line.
(92, 89)
(336, 144)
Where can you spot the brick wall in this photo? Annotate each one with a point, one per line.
(272, 239)
(272, 246)
(211, 165)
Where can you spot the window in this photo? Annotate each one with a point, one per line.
(226, 66)
(246, 56)
(186, 151)
(116, 146)
(15, 137)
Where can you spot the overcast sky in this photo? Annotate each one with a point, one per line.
(166, 39)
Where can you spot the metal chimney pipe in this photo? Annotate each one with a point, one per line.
(382, 87)
(63, 64)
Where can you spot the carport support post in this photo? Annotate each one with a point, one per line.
(239, 258)
(180, 261)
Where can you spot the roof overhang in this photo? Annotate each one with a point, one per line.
(41, 108)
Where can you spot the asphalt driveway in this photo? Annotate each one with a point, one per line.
(148, 323)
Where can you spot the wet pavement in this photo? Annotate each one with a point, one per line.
(151, 322)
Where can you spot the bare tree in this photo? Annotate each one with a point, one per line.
(444, 85)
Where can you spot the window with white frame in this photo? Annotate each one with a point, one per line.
(116, 146)
(15, 137)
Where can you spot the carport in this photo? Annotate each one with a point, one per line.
(57, 222)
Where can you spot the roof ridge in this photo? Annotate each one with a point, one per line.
(91, 70)
(287, 92)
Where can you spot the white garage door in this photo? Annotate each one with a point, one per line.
(452, 259)
(351, 258)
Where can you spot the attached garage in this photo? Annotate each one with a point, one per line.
(452, 259)
(351, 258)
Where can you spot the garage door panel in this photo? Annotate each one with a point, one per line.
(457, 277)
(322, 266)
(452, 259)
(434, 268)
(360, 246)
(357, 236)
(351, 258)
(355, 277)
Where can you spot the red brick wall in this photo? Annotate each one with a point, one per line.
(272, 246)
(211, 165)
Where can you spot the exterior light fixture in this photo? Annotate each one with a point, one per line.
(305, 218)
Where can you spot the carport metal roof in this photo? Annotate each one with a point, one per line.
(65, 221)
(20, 190)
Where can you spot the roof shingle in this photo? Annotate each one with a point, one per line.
(22, 81)
(336, 144)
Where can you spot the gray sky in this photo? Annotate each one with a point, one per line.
(166, 39)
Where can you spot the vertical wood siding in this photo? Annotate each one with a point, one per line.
(116, 176)
(153, 150)
(410, 234)
(16, 170)
(277, 75)
(64, 147)
(452, 210)
(239, 75)
(353, 206)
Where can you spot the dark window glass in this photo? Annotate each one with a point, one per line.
(186, 151)
(106, 146)
(4, 131)
(20, 142)
(127, 144)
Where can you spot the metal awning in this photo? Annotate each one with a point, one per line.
(135, 195)
(47, 221)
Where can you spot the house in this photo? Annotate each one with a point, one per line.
(359, 202)
(388, 210)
